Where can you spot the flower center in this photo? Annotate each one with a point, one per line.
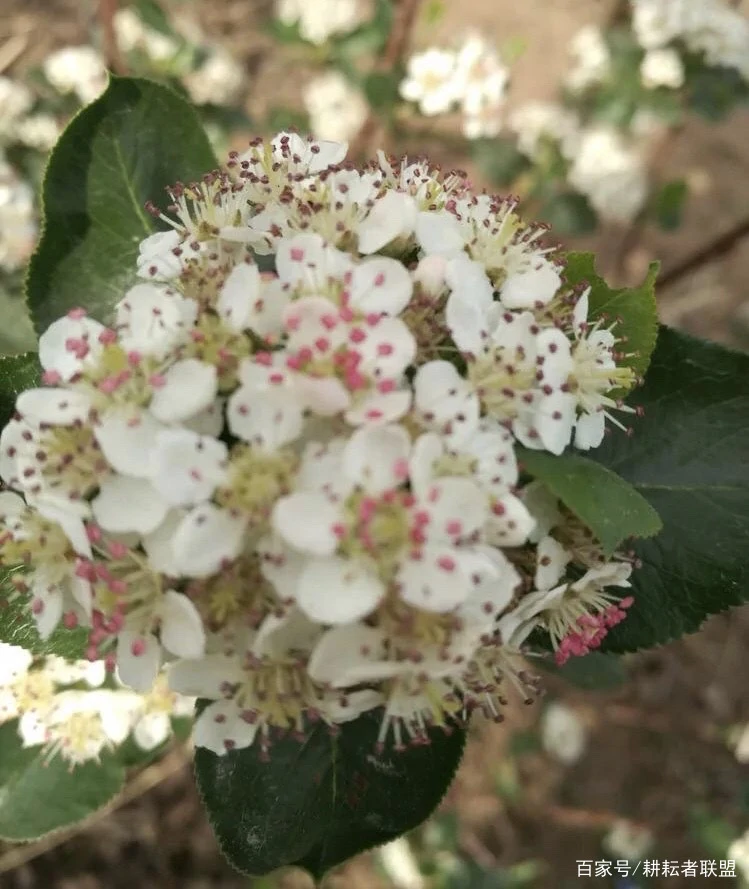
(256, 481)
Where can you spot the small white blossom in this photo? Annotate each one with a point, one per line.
(562, 733)
(592, 59)
(430, 81)
(320, 20)
(662, 67)
(76, 69)
(218, 81)
(337, 111)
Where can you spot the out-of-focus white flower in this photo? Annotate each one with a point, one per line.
(336, 109)
(662, 67)
(430, 81)
(592, 59)
(628, 841)
(15, 101)
(132, 34)
(77, 69)
(218, 81)
(18, 226)
(400, 864)
(320, 19)
(480, 81)
(738, 851)
(536, 121)
(611, 173)
(563, 734)
(39, 131)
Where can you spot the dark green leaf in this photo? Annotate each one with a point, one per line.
(714, 92)
(499, 160)
(118, 153)
(321, 801)
(632, 307)
(17, 372)
(16, 334)
(594, 672)
(668, 207)
(38, 795)
(381, 90)
(608, 505)
(689, 456)
(153, 16)
(569, 214)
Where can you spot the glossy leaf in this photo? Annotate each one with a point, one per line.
(612, 509)
(17, 372)
(39, 794)
(121, 151)
(689, 457)
(318, 802)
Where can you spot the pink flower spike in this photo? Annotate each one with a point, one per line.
(107, 337)
(51, 377)
(117, 549)
(77, 313)
(134, 358)
(93, 532)
(138, 647)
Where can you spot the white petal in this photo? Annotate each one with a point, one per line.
(380, 285)
(151, 320)
(589, 430)
(158, 544)
(510, 523)
(189, 387)
(376, 458)
(182, 632)
(209, 421)
(554, 357)
(151, 730)
(446, 402)
(552, 558)
(435, 581)
(342, 648)
(308, 521)
(389, 348)
(205, 677)
(138, 670)
(468, 324)
(126, 440)
(58, 407)
(494, 582)
(32, 727)
(380, 408)
(338, 591)
(554, 420)
(293, 632)
(340, 709)
(300, 259)
(69, 515)
(47, 609)
(54, 354)
(322, 395)
(16, 440)
(207, 538)
(535, 286)
(457, 508)
(270, 418)
(392, 216)
(220, 728)
(439, 232)
(186, 468)
(128, 504)
(14, 663)
(236, 298)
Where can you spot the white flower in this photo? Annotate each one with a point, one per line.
(70, 344)
(150, 319)
(320, 20)
(610, 173)
(337, 111)
(738, 851)
(39, 131)
(15, 100)
(592, 59)
(218, 81)
(18, 227)
(662, 67)
(430, 81)
(535, 122)
(480, 81)
(562, 733)
(629, 841)
(76, 69)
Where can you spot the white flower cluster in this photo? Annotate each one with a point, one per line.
(336, 109)
(710, 27)
(79, 70)
(133, 35)
(592, 59)
(63, 706)
(472, 77)
(17, 121)
(17, 219)
(302, 484)
(320, 20)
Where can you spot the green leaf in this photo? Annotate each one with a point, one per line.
(569, 214)
(38, 796)
(608, 505)
(17, 627)
(370, 37)
(381, 90)
(668, 206)
(16, 334)
(689, 456)
(633, 307)
(712, 91)
(17, 372)
(118, 153)
(596, 671)
(318, 802)
(499, 160)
